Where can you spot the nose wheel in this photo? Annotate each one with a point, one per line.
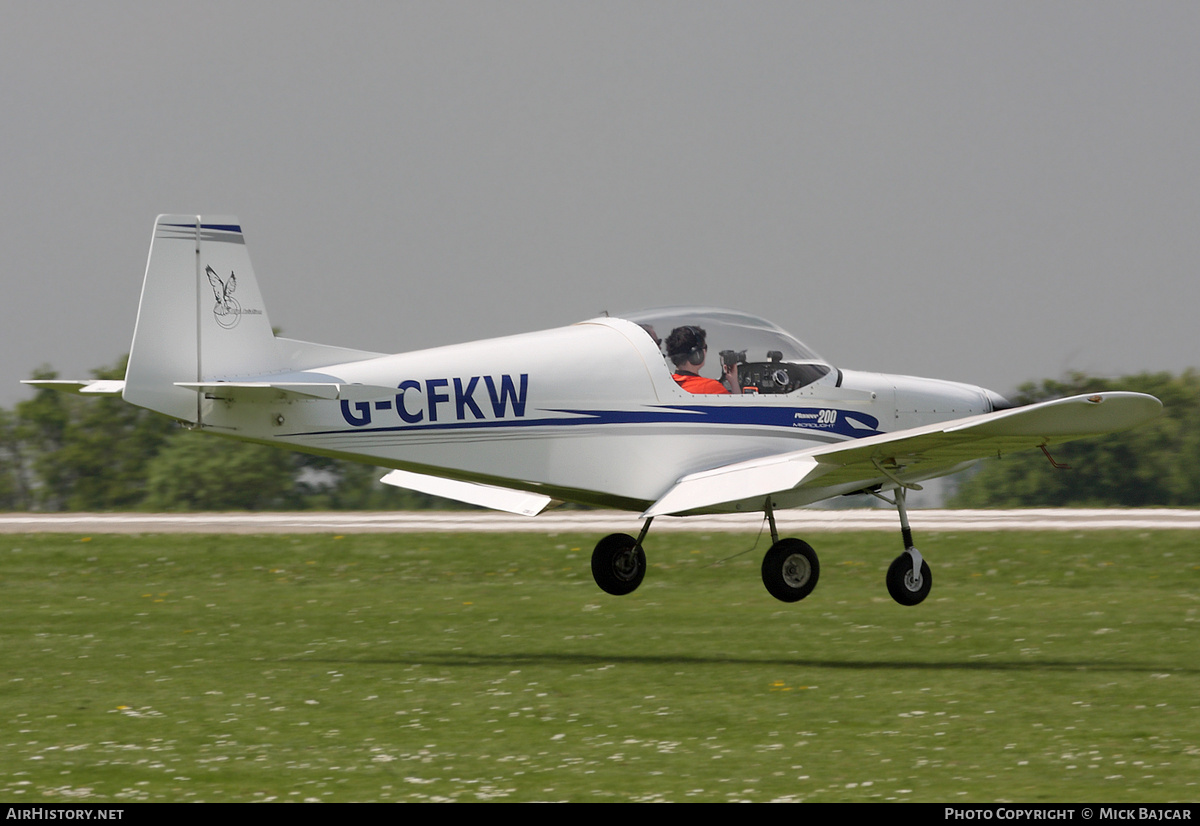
(909, 579)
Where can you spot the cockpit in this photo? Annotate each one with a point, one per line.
(768, 358)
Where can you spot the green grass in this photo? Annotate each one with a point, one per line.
(1044, 667)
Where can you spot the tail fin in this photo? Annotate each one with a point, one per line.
(201, 315)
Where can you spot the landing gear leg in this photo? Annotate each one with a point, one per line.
(790, 568)
(619, 563)
(908, 578)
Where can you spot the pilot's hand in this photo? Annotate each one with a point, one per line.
(731, 378)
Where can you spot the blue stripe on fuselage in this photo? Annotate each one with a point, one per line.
(826, 420)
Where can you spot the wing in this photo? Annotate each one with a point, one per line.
(907, 456)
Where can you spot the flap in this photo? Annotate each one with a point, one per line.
(473, 493)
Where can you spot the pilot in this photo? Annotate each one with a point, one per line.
(687, 348)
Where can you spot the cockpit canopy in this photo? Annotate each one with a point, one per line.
(770, 360)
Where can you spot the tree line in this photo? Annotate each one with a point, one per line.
(64, 452)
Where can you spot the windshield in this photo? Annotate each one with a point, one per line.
(769, 359)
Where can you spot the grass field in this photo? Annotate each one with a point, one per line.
(1044, 667)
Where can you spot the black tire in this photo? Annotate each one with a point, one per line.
(618, 564)
(900, 581)
(790, 570)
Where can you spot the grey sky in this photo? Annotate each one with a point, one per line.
(988, 192)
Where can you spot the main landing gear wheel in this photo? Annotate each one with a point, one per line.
(790, 570)
(903, 586)
(618, 564)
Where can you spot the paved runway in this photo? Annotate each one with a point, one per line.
(596, 522)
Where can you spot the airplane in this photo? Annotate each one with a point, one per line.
(511, 424)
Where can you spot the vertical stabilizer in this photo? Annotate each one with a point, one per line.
(201, 315)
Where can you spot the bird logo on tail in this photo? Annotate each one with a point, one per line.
(226, 311)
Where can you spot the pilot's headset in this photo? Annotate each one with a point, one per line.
(695, 356)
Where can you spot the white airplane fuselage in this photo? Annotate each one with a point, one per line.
(587, 413)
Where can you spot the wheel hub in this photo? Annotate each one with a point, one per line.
(625, 564)
(796, 571)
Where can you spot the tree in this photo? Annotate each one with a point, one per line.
(86, 453)
(14, 494)
(339, 484)
(197, 472)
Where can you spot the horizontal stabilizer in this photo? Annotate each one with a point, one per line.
(285, 389)
(909, 455)
(487, 496)
(98, 386)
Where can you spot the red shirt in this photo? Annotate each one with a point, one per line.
(698, 384)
